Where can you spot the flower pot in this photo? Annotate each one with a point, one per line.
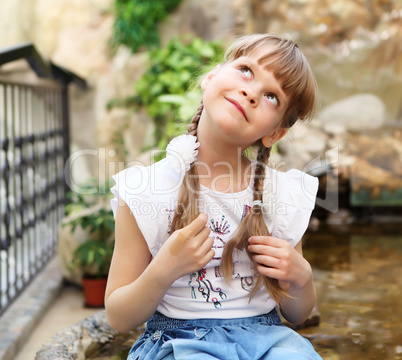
(94, 292)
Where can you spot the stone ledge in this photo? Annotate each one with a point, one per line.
(90, 338)
(20, 319)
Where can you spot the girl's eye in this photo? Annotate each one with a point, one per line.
(246, 71)
(273, 98)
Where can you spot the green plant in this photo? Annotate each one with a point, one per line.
(136, 22)
(90, 211)
(172, 71)
(164, 87)
(186, 106)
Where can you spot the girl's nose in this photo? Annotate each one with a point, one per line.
(249, 95)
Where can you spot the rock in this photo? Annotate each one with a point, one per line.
(126, 69)
(313, 142)
(301, 145)
(127, 133)
(373, 179)
(337, 141)
(49, 20)
(84, 49)
(91, 337)
(349, 13)
(334, 128)
(307, 137)
(356, 113)
(340, 217)
(376, 172)
(207, 19)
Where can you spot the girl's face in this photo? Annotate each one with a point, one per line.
(243, 102)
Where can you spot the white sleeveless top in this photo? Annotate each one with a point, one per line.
(151, 194)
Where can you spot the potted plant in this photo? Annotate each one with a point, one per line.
(92, 212)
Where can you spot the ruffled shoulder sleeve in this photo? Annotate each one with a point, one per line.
(150, 192)
(294, 196)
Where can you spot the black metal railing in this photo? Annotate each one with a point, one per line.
(34, 147)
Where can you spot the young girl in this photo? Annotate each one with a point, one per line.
(208, 241)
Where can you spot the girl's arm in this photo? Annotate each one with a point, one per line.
(303, 295)
(279, 260)
(136, 285)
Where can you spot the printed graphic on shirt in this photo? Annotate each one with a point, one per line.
(205, 288)
(246, 209)
(219, 227)
(170, 215)
(219, 230)
(247, 283)
(201, 282)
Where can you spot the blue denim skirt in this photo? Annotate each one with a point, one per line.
(257, 338)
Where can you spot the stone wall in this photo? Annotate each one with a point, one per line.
(354, 48)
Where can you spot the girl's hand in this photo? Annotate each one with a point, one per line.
(186, 250)
(277, 259)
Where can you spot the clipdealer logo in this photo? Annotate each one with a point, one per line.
(326, 165)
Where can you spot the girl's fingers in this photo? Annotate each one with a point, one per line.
(266, 250)
(266, 240)
(269, 272)
(266, 245)
(191, 230)
(206, 245)
(208, 256)
(268, 261)
(202, 235)
(196, 227)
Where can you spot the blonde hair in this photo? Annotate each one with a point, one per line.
(292, 70)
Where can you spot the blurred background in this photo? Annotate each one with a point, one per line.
(90, 87)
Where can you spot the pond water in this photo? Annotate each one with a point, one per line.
(357, 270)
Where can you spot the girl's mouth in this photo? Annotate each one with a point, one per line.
(238, 107)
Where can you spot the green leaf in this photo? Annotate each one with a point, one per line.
(172, 71)
(136, 22)
(172, 99)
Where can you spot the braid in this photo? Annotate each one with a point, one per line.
(192, 127)
(253, 224)
(187, 206)
(262, 159)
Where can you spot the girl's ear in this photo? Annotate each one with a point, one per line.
(205, 81)
(271, 139)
